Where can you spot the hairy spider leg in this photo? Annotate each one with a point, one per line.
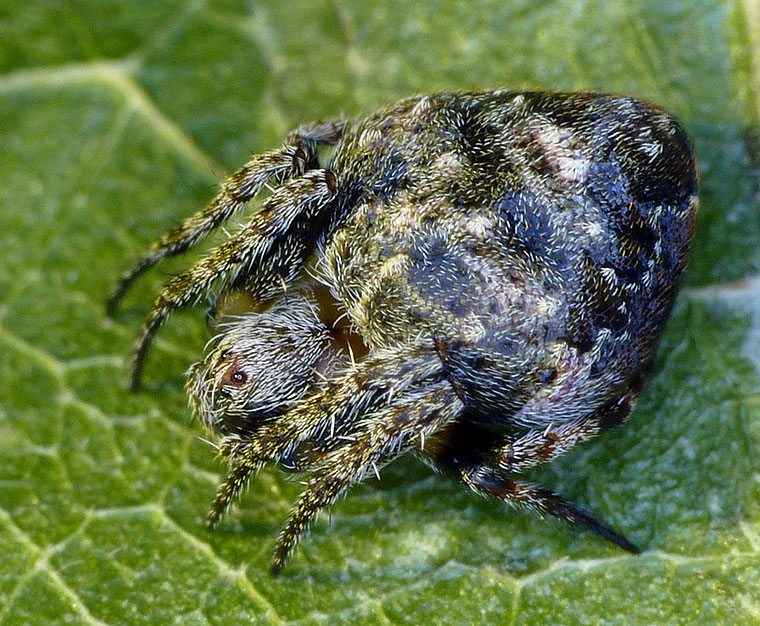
(492, 482)
(298, 154)
(486, 470)
(384, 434)
(272, 248)
(307, 433)
(538, 446)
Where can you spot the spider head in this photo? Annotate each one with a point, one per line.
(260, 365)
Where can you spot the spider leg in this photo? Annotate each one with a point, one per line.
(490, 482)
(385, 434)
(273, 246)
(538, 446)
(483, 460)
(292, 159)
(303, 436)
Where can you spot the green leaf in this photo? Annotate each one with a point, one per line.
(117, 119)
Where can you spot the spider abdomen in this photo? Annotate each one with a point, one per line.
(543, 235)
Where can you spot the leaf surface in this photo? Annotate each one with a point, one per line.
(118, 118)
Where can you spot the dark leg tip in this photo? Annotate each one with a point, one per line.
(134, 379)
(212, 520)
(114, 298)
(138, 360)
(134, 384)
(111, 304)
(571, 513)
(280, 557)
(275, 569)
(626, 545)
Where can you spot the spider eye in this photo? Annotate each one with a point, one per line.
(224, 355)
(225, 392)
(239, 377)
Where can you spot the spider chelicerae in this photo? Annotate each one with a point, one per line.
(479, 278)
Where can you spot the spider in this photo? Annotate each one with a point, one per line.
(506, 262)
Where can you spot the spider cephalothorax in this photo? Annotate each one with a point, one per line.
(261, 364)
(505, 260)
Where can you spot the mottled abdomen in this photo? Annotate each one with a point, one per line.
(539, 237)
